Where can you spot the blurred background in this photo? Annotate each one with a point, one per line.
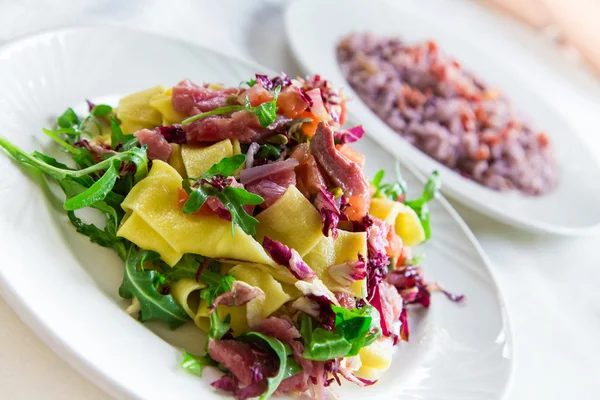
(564, 33)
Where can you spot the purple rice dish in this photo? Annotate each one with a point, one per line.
(447, 113)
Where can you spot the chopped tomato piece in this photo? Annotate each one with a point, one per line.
(257, 95)
(290, 103)
(358, 208)
(309, 128)
(394, 248)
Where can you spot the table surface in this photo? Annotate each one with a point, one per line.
(550, 284)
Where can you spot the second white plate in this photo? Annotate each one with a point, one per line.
(571, 209)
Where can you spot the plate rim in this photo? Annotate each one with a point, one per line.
(85, 366)
(506, 218)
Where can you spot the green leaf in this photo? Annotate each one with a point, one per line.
(97, 192)
(218, 327)
(216, 284)
(378, 178)
(135, 155)
(187, 267)
(326, 345)
(251, 82)
(195, 364)
(280, 350)
(354, 329)
(68, 119)
(353, 326)
(106, 237)
(143, 285)
(101, 110)
(197, 199)
(391, 190)
(291, 368)
(430, 192)
(265, 112)
(234, 200)
(268, 151)
(117, 137)
(218, 111)
(226, 167)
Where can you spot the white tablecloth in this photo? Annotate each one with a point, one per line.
(550, 284)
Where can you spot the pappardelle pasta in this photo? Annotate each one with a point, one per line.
(246, 211)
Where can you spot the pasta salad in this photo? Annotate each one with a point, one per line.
(246, 211)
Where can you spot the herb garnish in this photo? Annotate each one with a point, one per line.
(214, 183)
(397, 192)
(144, 285)
(266, 112)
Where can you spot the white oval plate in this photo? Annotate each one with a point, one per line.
(65, 287)
(571, 209)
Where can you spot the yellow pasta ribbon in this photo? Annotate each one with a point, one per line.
(155, 200)
(291, 220)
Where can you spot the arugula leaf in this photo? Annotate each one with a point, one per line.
(218, 328)
(280, 350)
(97, 192)
(106, 237)
(397, 190)
(430, 191)
(326, 345)
(391, 190)
(82, 157)
(216, 284)
(321, 344)
(353, 326)
(101, 110)
(68, 119)
(187, 267)
(268, 151)
(265, 112)
(195, 364)
(143, 285)
(352, 332)
(197, 199)
(135, 155)
(251, 82)
(233, 199)
(291, 368)
(226, 167)
(118, 138)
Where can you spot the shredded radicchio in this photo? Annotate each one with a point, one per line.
(289, 258)
(326, 315)
(414, 289)
(240, 294)
(350, 271)
(282, 80)
(377, 261)
(90, 105)
(173, 134)
(96, 149)
(330, 211)
(350, 135)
